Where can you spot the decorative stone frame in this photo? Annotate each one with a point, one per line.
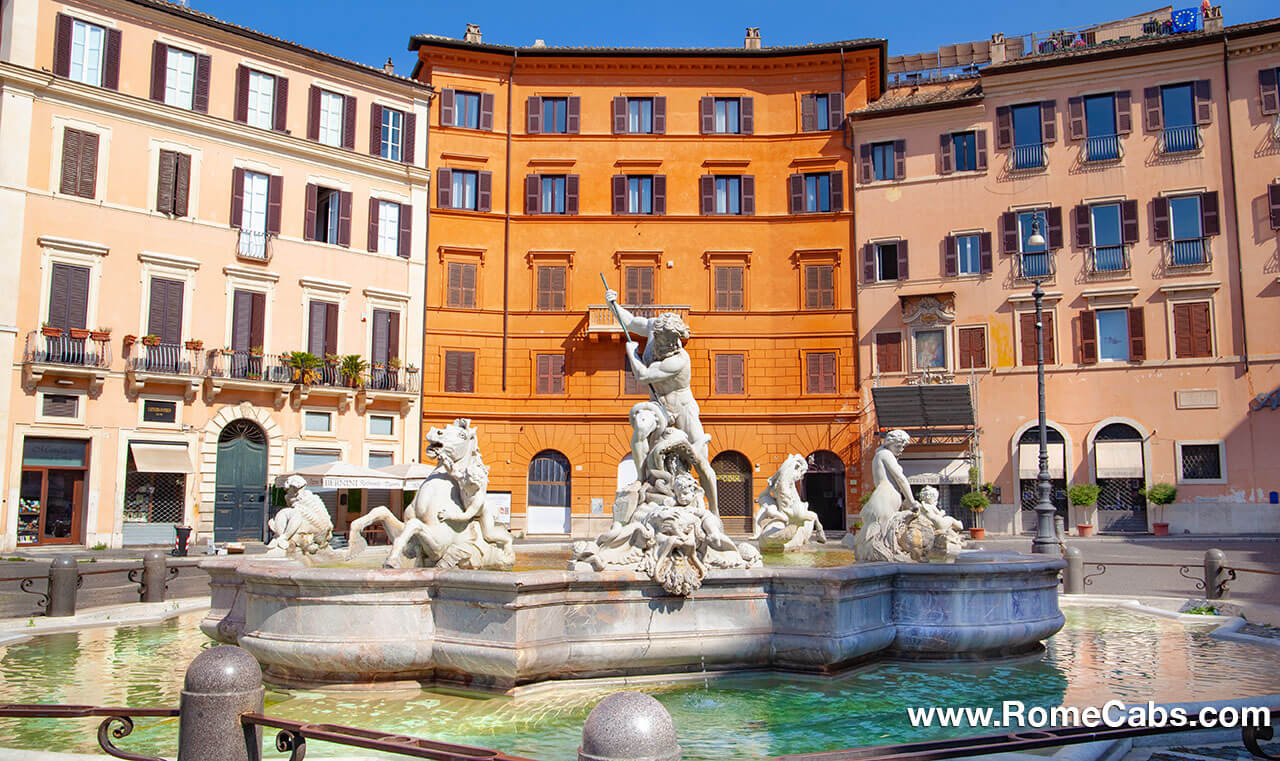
(805, 256)
(1222, 461)
(463, 255)
(550, 258)
(59, 126)
(727, 258)
(207, 466)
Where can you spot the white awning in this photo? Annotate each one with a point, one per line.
(936, 471)
(410, 474)
(161, 458)
(1118, 459)
(341, 475)
(1029, 461)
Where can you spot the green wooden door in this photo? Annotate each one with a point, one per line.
(240, 499)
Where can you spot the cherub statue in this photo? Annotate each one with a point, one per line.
(303, 525)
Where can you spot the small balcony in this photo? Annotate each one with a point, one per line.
(254, 245)
(600, 320)
(1109, 261)
(1102, 148)
(67, 352)
(1190, 253)
(1181, 140)
(1029, 157)
(150, 364)
(250, 371)
(1035, 266)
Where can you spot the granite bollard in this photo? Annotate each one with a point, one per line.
(64, 580)
(222, 683)
(154, 570)
(629, 726)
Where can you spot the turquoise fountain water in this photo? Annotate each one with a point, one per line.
(1101, 654)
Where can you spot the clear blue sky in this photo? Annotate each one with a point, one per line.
(370, 30)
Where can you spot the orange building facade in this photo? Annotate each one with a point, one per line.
(713, 183)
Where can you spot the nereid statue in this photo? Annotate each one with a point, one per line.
(784, 522)
(449, 524)
(303, 525)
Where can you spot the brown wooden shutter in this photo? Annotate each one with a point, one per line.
(747, 203)
(708, 114)
(659, 194)
(164, 317)
(707, 193)
(1268, 90)
(543, 289)
(1204, 103)
(542, 374)
(165, 181)
(409, 138)
(484, 191)
(242, 94)
(87, 184)
(241, 320)
(275, 203)
(204, 69)
(59, 278)
(1027, 336)
(532, 193)
(181, 184)
(808, 113)
(69, 179)
(237, 197)
(1137, 334)
(572, 122)
(316, 314)
(1273, 204)
(984, 253)
(404, 241)
(373, 224)
(1053, 215)
(63, 32)
(889, 352)
(349, 122)
(1154, 116)
(111, 61)
(746, 115)
(619, 183)
(981, 139)
(721, 374)
(1004, 128)
(313, 113)
(737, 293)
(1210, 220)
(1182, 344)
(1048, 121)
(453, 285)
(868, 263)
(309, 212)
(795, 193)
(468, 285)
(330, 329)
(257, 322)
(837, 190)
(1088, 337)
(902, 261)
(1160, 218)
(159, 64)
(660, 115)
(950, 257)
(620, 124)
(375, 129)
(1129, 221)
(1050, 348)
(393, 335)
(1009, 232)
(344, 218)
(533, 115)
(68, 296)
(973, 348)
(1201, 330)
(571, 183)
(864, 163)
(444, 188)
(835, 110)
(280, 107)
(486, 111)
(451, 382)
(448, 114)
(1124, 113)
(1075, 118)
(944, 154)
(1083, 226)
(381, 345)
(899, 159)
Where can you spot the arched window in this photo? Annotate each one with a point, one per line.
(1120, 470)
(733, 488)
(549, 479)
(1118, 432)
(1029, 468)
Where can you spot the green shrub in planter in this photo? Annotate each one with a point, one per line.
(1084, 495)
(977, 501)
(1160, 494)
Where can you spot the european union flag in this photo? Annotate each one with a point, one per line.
(1187, 20)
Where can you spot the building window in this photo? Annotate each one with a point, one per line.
(322, 331)
(638, 282)
(555, 115)
(1192, 330)
(727, 115)
(883, 161)
(819, 286)
(331, 118)
(60, 406)
(317, 422)
(173, 183)
(1027, 122)
(553, 194)
(969, 254)
(821, 113)
(730, 374)
(328, 208)
(1027, 334)
(180, 78)
(972, 349)
(817, 192)
(79, 171)
(253, 215)
(1178, 115)
(388, 228)
(461, 285)
(382, 425)
(159, 412)
(930, 349)
(1035, 261)
(466, 109)
(729, 288)
(887, 261)
(1113, 335)
(640, 195)
(460, 372)
(964, 151)
(820, 372)
(68, 301)
(549, 374)
(728, 195)
(549, 483)
(551, 288)
(392, 134)
(1102, 142)
(640, 116)
(1108, 240)
(889, 352)
(88, 44)
(1187, 228)
(464, 186)
(1201, 462)
(262, 98)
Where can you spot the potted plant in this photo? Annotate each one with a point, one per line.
(1084, 496)
(79, 334)
(151, 339)
(227, 351)
(50, 330)
(101, 334)
(305, 367)
(1160, 495)
(129, 340)
(977, 501)
(255, 351)
(194, 344)
(353, 369)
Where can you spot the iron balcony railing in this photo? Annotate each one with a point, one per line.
(1193, 252)
(1035, 266)
(254, 245)
(1103, 148)
(67, 347)
(250, 365)
(1109, 260)
(1181, 139)
(392, 379)
(1030, 156)
(600, 317)
(166, 358)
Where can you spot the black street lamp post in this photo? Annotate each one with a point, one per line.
(1046, 540)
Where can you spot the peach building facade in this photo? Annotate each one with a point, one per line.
(1150, 167)
(186, 203)
(710, 182)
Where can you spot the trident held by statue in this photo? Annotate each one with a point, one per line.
(613, 307)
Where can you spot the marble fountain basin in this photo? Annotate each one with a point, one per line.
(502, 632)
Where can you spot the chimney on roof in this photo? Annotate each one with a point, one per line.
(539, 43)
(999, 53)
(753, 38)
(473, 33)
(389, 67)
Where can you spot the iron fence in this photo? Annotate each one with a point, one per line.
(1109, 260)
(1030, 156)
(250, 365)
(1103, 148)
(254, 245)
(166, 358)
(67, 347)
(1192, 252)
(1181, 139)
(1035, 265)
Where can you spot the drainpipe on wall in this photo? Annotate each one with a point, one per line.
(853, 222)
(426, 272)
(1235, 211)
(506, 228)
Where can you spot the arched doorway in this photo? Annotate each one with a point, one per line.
(240, 497)
(1118, 465)
(823, 488)
(1029, 469)
(733, 488)
(549, 492)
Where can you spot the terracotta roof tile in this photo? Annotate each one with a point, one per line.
(923, 96)
(418, 40)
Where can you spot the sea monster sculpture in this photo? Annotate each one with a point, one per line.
(784, 522)
(303, 526)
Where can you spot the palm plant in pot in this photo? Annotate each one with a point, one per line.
(1160, 495)
(304, 367)
(1084, 496)
(353, 369)
(977, 501)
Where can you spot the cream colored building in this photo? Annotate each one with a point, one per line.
(184, 202)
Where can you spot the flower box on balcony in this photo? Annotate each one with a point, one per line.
(100, 335)
(194, 345)
(130, 340)
(151, 340)
(79, 334)
(51, 331)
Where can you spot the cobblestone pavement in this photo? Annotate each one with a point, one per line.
(1226, 752)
